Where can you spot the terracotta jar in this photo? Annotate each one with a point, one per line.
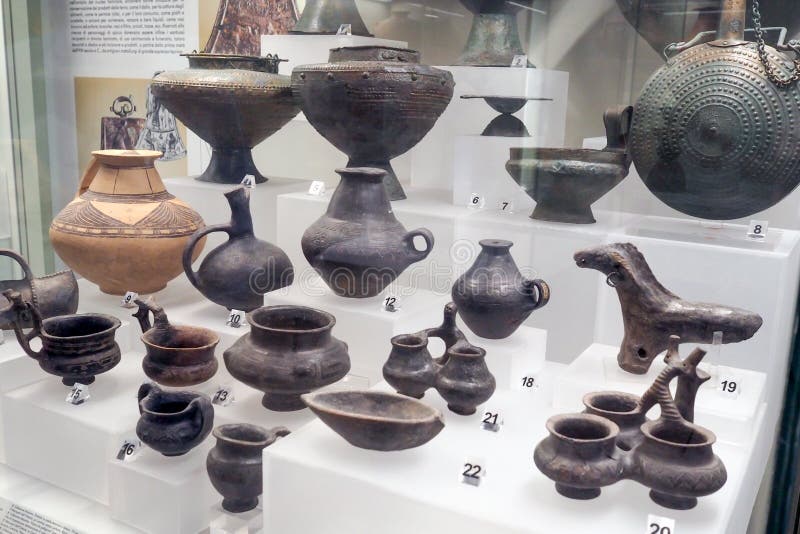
(289, 351)
(465, 381)
(52, 295)
(177, 355)
(173, 422)
(359, 247)
(124, 231)
(234, 464)
(493, 297)
(237, 273)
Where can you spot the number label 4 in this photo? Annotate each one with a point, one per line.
(660, 525)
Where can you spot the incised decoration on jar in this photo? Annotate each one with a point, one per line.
(670, 455)
(289, 351)
(460, 376)
(373, 103)
(52, 295)
(359, 247)
(233, 103)
(565, 182)
(173, 422)
(177, 355)
(376, 420)
(651, 313)
(240, 271)
(123, 230)
(714, 130)
(493, 297)
(234, 464)
(76, 347)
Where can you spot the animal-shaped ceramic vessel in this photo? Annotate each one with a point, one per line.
(240, 271)
(359, 247)
(651, 313)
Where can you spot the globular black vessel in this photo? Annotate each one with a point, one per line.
(493, 297)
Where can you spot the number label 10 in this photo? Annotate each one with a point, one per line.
(660, 525)
(235, 318)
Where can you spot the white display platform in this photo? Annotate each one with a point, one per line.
(433, 160)
(210, 202)
(56, 504)
(423, 208)
(730, 418)
(419, 490)
(249, 522)
(480, 169)
(69, 446)
(363, 324)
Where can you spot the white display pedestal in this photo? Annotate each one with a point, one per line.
(300, 49)
(730, 418)
(70, 446)
(423, 208)
(364, 325)
(249, 522)
(433, 160)
(210, 202)
(419, 490)
(480, 169)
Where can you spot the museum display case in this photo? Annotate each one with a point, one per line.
(345, 266)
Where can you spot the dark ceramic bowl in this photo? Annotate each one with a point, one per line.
(376, 420)
(185, 359)
(565, 182)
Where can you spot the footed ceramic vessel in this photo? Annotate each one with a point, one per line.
(289, 351)
(234, 464)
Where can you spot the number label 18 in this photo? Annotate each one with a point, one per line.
(660, 525)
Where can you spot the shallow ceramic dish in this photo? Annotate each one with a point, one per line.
(376, 420)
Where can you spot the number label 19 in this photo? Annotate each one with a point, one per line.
(473, 470)
(235, 318)
(660, 525)
(729, 386)
(127, 300)
(492, 420)
(757, 229)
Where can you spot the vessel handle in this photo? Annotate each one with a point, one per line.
(202, 413)
(427, 235)
(26, 269)
(22, 310)
(88, 176)
(146, 307)
(144, 391)
(275, 433)
(542, 294)
(188, 250)
(618, 125)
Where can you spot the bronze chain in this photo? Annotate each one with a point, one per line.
(762, 54)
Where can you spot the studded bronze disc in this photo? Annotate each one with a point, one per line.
(713, 138)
